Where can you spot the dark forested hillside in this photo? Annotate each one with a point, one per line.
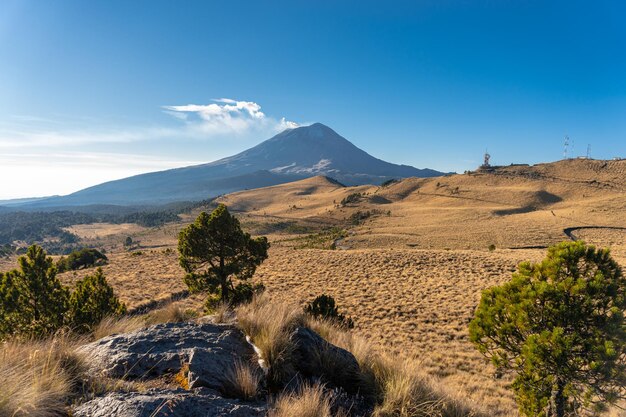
(46, 228)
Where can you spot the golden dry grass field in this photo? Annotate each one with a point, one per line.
(412, 257)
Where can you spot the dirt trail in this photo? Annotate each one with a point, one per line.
(569, 230)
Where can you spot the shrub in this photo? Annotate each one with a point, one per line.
(323, 240)
(360, 216)
(222, 313)
(407, 392)
(559, 327)
(324, 307)
(6, 250)
(83, 258)
(244, 292)
(389, 182)
(351, 198)
(492, 247)
(92, 300)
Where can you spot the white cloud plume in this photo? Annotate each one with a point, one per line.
(224, 117)
(228, 116)
(60, 155)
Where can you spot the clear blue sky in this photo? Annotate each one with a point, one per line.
(91, 91)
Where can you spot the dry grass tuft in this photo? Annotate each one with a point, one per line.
(39, 376)
(117, 325)
(309, 401)
(406, 392)
(269, 326)
(242, 381)
(171, 313)
(222, 313)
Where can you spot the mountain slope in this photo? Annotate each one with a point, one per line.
(291, 155)
(319, 150)
(512, 207)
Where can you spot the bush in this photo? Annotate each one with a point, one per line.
(360, 216)
(83, 258)
(389, 182)
(323, 240)
(324, 307)
(171, 313)
(351, 198)
(6, 250)
(116, 325)
(92, 300)
(492, 247)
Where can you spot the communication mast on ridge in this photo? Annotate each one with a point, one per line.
(589, 151)
(486, 160)
(566, 147)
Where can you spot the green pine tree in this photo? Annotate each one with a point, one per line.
(33, 300)
(92, 300)
(559, 327)
(214, 250)
(9, 296)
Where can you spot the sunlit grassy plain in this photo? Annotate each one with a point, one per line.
(410, 274)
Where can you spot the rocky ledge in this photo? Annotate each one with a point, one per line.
(185, 368)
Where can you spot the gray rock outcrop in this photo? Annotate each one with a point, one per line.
(201, 402)
(209, 350)
(186, 366)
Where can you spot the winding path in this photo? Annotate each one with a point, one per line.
(569, 230)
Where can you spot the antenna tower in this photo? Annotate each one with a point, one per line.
(588, 151)
(486, 160)
(566, 147)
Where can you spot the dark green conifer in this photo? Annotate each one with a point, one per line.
(559, 326)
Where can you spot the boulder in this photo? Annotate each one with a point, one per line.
(201, 402)
(314, 358)
(210, 350)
